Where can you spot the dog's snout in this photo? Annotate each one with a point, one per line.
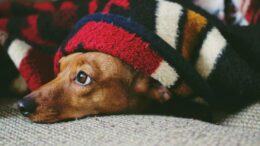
(27, 106)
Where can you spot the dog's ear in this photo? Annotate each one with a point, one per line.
(148, 87)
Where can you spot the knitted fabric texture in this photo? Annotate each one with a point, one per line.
(176, 43)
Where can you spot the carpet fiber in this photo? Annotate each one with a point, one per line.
(240, 129)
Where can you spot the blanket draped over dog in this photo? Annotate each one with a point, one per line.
(181, 46)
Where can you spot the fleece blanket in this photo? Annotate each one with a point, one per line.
(198, 55)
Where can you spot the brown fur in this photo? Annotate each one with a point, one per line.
(183, 89)
(115, 88)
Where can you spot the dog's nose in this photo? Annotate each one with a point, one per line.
(27, 106)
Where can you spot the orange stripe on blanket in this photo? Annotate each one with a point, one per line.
(193, 26)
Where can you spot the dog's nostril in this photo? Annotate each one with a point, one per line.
(26, 106)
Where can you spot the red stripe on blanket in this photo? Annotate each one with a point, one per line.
(3, 24)
(57, 58)
(121, 3)
(31, 32)
(68, 5)
(36, 70)
(44, 6)
(92, 6)
(107, 38)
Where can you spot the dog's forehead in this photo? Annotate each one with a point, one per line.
(109, 66)
(102, 61)
(70, 58)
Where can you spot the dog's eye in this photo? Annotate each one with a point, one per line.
(82, 79)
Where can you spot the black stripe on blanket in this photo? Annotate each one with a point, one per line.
(233, 80)
(101, 5)
(180, 32)
(143, 12)
(50, 31)
(19, 9)
(15, 25)
(82, 7)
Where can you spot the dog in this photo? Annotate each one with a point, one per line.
(89, 84)
(93, 82)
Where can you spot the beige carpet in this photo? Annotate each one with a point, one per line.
(240, 129)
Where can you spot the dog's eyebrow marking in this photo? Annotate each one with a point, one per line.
(81, 48)
(95, 70)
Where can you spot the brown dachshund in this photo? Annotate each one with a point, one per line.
(92, 83)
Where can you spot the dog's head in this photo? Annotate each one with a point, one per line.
(88, 84)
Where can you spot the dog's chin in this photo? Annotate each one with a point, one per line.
(49, 119)
(52, 121)
(44, 121)
(44, 118)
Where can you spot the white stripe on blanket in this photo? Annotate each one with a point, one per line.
(17, 51)
(165, 74)
(211, 50)
(167, 19)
